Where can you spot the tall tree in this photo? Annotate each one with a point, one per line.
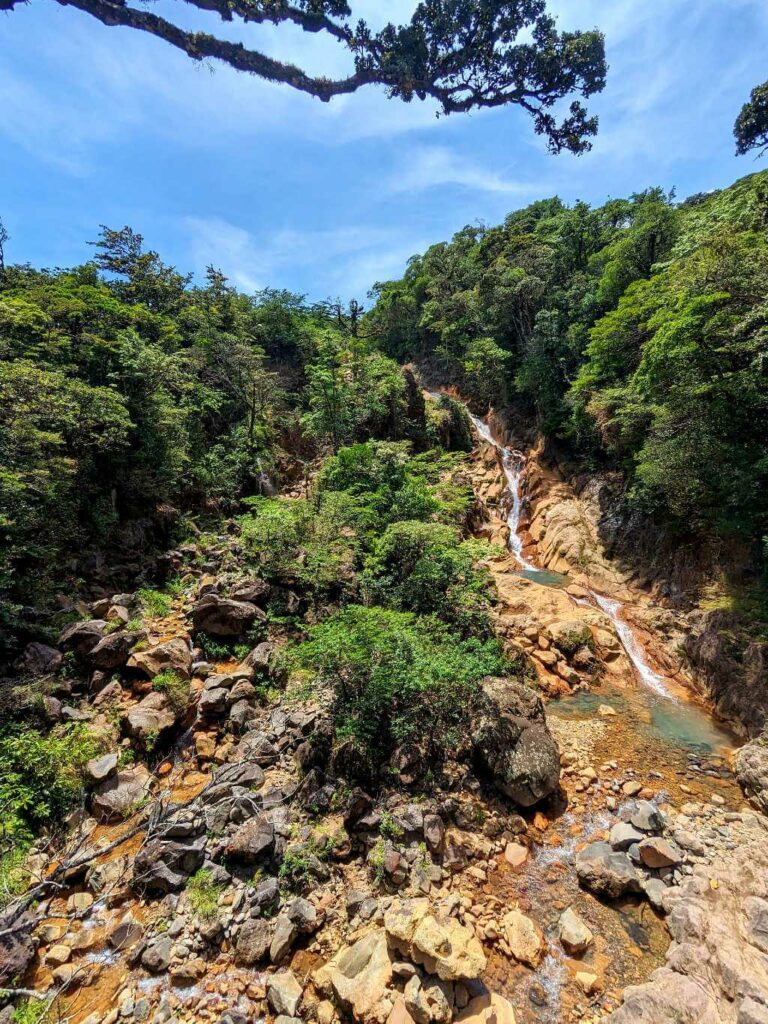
(465, 54)
(751, 129)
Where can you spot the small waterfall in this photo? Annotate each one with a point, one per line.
(631, 645)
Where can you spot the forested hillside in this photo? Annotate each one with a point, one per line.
(129, 396)
(635, 333)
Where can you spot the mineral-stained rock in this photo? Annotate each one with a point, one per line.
(221, 616)
(174, 655)
(116, 797)
(656, 852)
(512, 741)
(717, 969)
(606, 872)
(429, 937)
(359, 975)
(524, 938)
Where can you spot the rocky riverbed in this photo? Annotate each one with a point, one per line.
(596, 862)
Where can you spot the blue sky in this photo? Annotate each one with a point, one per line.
(105, 125)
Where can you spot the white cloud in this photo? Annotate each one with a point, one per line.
(434, 166)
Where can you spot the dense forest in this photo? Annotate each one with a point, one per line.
(636, 333)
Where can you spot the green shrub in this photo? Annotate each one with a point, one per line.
(204, 893)
(31, 1011)
(174, 687)
(154, 603)
(396, 677)
(41, 777)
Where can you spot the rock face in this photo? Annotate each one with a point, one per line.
(221, 616)
(512, 741)
(442, 945)
(717, 967)
(752, 772)
(606, 872)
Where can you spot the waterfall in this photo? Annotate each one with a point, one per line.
(631, 645)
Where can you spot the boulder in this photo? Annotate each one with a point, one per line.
(163, 865)
(524, 938)
(262, 658)
(41, 660)
(213, 702)
(623, 835)
(174, 655)
(358, 976)
(253, 941)
(656, 852)
(156, 958)
(284, 993)
(17, 947)
(575, 937)
(221, 616)
(607, 872)
(751, 767)
(489, 1008)
(513, 743)
(253, 591)
(100, 768)
(112, 651)
(119, 794)
(150, 719)
(252, 840)
(429, 937)
(82, 637)
(647, 817)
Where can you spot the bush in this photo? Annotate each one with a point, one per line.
(396, 678)
(41, 777)
(174, 687)
(154, 603)
(204, 893)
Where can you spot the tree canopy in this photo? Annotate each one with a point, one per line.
(464, 54)
(751, 129)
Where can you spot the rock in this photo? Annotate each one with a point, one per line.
(284, 935)
(656, 852)
(220, 616)
(58, 954)
(358, 976)
(118, 796)
(262, 658)
(253, 941)
(187, 972)
(79, 902)
(213, 702)
(112, 651)
(157, 956)
(516, 854)
(100, 768)
(751, 768)
(647, 817)
(399, 1014)
(606, 872)
(434, 832)
(623, 835)
(587, 982)
(524, 938)
(126, 933)
(431, 938)
(655, 889)
(41, 660)
(284, 993)
(163, 865)
(150, 720)
(512, 741)
(174, 655)
(606, 711)
(82, 637)
(575, 937)
(17, 947)
(252, 840)
(631, 787)
(489, 1008)
(253, 591)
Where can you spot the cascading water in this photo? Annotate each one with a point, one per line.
(630, 644)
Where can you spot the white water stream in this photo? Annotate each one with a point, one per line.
(513, 463)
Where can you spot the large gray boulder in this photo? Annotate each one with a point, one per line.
(164, 865)
(221, 616)
(112, 651)
(82, 637)
(512, 741)
(150, 720)
(607, 872)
